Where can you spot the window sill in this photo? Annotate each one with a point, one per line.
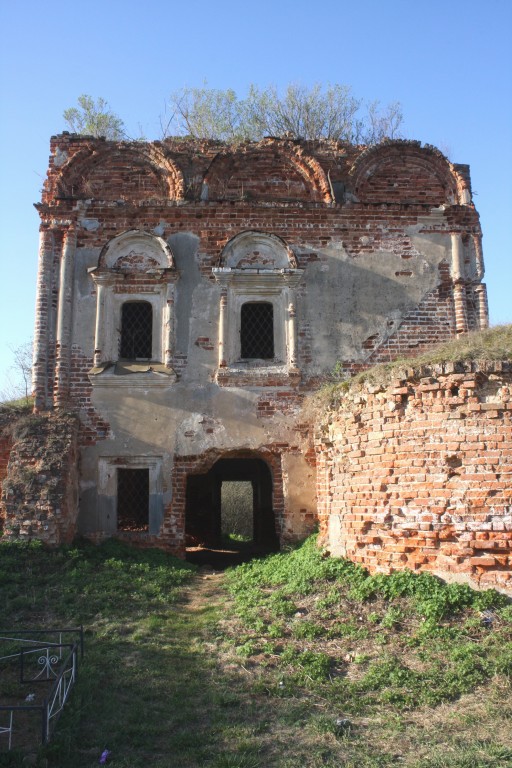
(258, 374)
(131, 374)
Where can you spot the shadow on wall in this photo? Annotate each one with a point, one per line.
(352, 299)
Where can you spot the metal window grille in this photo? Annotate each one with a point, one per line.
(136, 330)
(133, 499)
(257, 330)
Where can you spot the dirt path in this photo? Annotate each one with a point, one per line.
(204, 591)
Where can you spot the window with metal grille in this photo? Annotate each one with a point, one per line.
(133, 499)
(136, 330)
(257, 330)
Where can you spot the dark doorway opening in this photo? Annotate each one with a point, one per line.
(132, 499)
(228, 514)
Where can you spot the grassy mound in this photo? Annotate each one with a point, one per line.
(379, 649)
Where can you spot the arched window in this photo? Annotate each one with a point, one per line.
(257, 311)
(257, 330)
(136, 330)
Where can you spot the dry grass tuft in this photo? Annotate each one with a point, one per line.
(490, 345)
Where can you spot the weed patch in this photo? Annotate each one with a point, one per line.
(305, 661)
(372, 647)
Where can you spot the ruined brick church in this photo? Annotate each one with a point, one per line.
(190, 294)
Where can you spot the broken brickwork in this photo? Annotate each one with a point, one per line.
(8, 418)
(417, 474)
(40, 486)
(358, 255)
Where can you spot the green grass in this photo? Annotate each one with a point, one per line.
(21, 404)
(375, 647)
(126, 599)
(303, 660)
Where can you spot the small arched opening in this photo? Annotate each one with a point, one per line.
(229, 516)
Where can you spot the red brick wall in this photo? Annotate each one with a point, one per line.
(274, 175)
(5, 452)
(92, 426)
(406, 182)
(404, 172)
(419, 474)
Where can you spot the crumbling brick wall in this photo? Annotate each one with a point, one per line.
(39, 490)
(364, 254)
(315, 195)
(8, 418)
(418, 474)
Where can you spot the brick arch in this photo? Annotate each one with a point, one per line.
(259, 250)
(119, 171)
(405, 172)
(136, 250)
(270, 171)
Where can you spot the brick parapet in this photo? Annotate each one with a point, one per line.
(179, 166)
(419, 474)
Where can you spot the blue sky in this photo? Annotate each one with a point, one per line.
(449, 62)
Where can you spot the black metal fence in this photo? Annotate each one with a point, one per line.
(47, 661)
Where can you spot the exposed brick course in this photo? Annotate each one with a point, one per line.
(7, 419)
(419, 474)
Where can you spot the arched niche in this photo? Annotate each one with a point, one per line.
(257, 250)
(257, 268)
(134, 267)
(108, 171)
(137, 251)
(270, 171)
(405, 172)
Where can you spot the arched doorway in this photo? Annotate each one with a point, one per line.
(229, 515)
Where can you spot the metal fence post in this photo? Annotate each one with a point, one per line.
(44, 733)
